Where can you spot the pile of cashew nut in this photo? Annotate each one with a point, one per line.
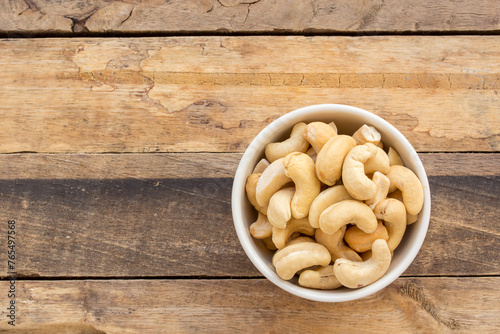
(335, 207)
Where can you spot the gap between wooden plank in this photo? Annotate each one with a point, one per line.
(181, 278)
(307, 33)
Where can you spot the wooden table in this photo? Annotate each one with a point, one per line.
(122, 124)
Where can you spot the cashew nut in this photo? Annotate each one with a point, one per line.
(270, 182)
(334, 127)
(396, 194)
(368, 254)
(251, 187)
(405, 180)
(261, 166)
(394, 158)
(348, 212)
(300, 168)
(281, 235)
(279, 210)
(261, 229)
(366, 134)
(335, 244)
(361, 241)
(383, 184)
(318, 133)
(365, 256)
(410, 219)
(353, 172)
(298, 240)
(357, 166)
(269, 243)
(331, 158)
(320, 278)
(326, 198)
(359, 274)
(312, 153)
(293, 258)
(393, 213)
(296, 143)
(292, 236)
(380, 163)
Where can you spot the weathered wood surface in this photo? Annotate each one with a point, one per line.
(177, 95)
(416, 305)
(154, 215)
(269, 16)
(195, 165)
(111, 239)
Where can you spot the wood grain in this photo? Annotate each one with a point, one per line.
(113, 239)
(195, 165)
(416, 305)
(126, 166)
(270, 16)
(175, 95)
(461, 164)
(183, 227)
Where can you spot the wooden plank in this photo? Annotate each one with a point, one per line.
(121, 166)
(195, 165)
(221, 16)
(464, 213)
(175, 95)
(183, 227)
(461, 164)
(409, 305)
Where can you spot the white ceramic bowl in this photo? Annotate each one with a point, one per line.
(348, 119)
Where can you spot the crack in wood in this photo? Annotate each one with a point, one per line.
(248, 9)
(413, 291)
(248, 13)
(368, 18)
(23, 11)
(128, 17)
(31, 5)
(239, 3)
(79, 24)
(327, 80)
(248, 3)
(144, 96)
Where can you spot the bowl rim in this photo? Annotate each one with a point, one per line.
(249, 248)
